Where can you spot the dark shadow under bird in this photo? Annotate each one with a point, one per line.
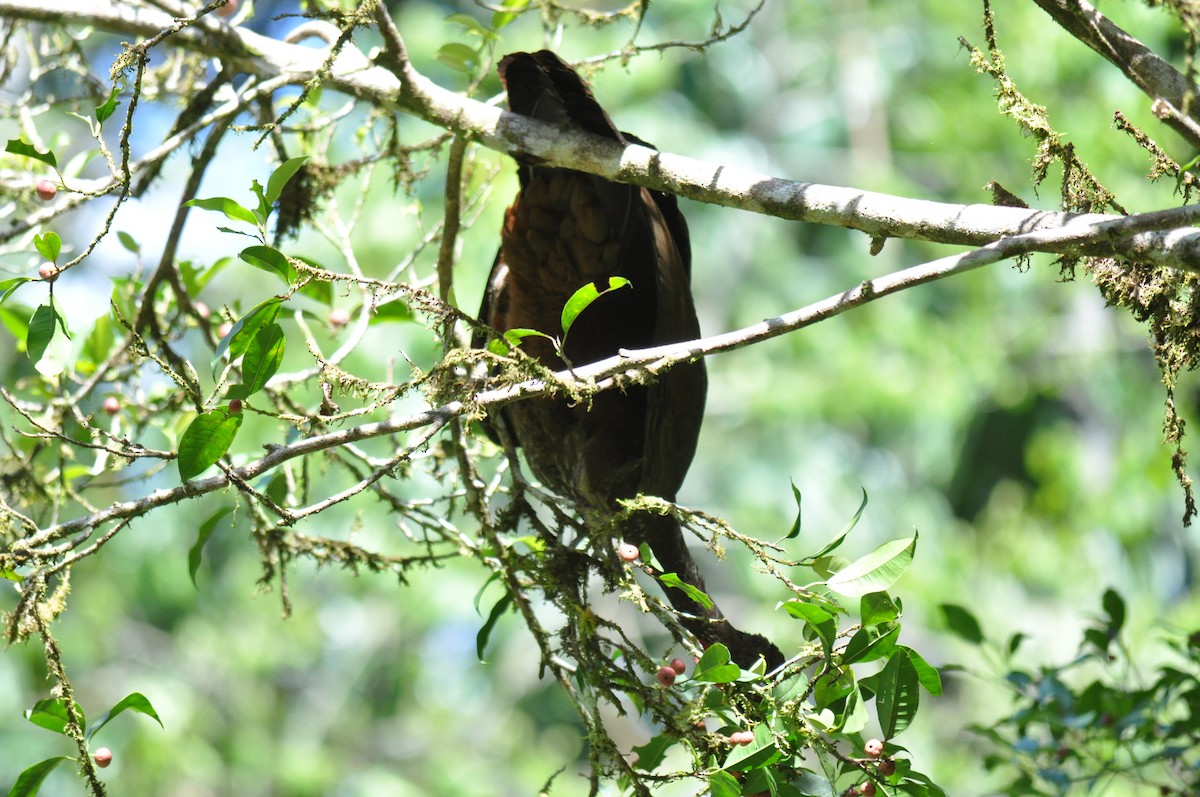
(566, 229)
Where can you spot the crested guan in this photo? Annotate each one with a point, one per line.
(564, 230)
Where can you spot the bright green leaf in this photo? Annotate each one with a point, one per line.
(205, 440)
(673, 580)
(876, 571)
(51, 714)
(878, 607)
(206, 529)
(458, 57)
(927, 674)
(583, 298)
(8, 286)
(232, 210)
(18, 147)
(715, 666)
(49, 245)
(106, 110)
(41, 329)
(720, 784)
(129, 242)
(245, 328)
(833, 544)
(30, 781)
(263, 357)
(897, 694)
(795, 530)
(397, 310)
(512, 338)
(272, 260)
(134, 701)
(280, 177)
(871, 642)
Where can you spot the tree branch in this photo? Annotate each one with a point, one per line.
(878, 215)
(636, 364)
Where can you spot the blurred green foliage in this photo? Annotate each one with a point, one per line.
(1008, 415)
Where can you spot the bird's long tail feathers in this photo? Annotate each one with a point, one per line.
(666, 540)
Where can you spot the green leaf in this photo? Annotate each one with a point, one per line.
(512, 338)
(878, 607)
(470, 24)
(280, 177)
(817, 619)
(18, 147)
(795, 530)
(513, 8)
(836, 542)
(135, 701)
(962, 623)
(715, 667)
(197, 549)
(871, 642)
(8, 286)
(99, 343)
(813, 785)
(30, 781)
(481, 638)
(106, 110)
(927, 674)
(651, 754)
(242, 333)
(458, 57)
(272, 260)
(129, 242)
(582, 299)
(897, 694)
(721, 784)
(51, 714)
(1114, 607)
(762, 752)
(205, 440)
(876, 571)
(232, 210)
(673, 580)
(49, 245)
(41, 329)
(263, 357)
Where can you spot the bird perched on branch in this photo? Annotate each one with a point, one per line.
(566, 229)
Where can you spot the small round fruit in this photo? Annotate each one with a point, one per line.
(628, 552)
(224, 329)
(867, 789)
(112, 405)
(202, 310)
(229, 9)
(339, 317)
(235, 406)
(873, 748)
(886, 767)
(48, 271)
(665, 676)
(742, 738)
(46, 189)
(678, 666)
(102, 757)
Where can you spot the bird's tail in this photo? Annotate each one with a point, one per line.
(665, 538)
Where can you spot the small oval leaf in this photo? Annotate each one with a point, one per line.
(876, 571)
(206, 440)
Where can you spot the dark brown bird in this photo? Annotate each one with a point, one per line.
(566, 229)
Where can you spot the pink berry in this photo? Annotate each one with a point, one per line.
(235, 406)
(112, 405)
(339, 317)
(678, 666)
(224, 329)
(665, 676)
(742, 738)
(102, 757)
(229, 9)
(46, 189)
(873, 748)
(202, 309)
(867, 789)
(48, 271)
(628, 552)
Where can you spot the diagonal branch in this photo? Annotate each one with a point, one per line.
(878, 215)
(629, 364)
(1173, 94)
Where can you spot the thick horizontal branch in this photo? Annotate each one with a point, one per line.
(628, 365)
(878, 215)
